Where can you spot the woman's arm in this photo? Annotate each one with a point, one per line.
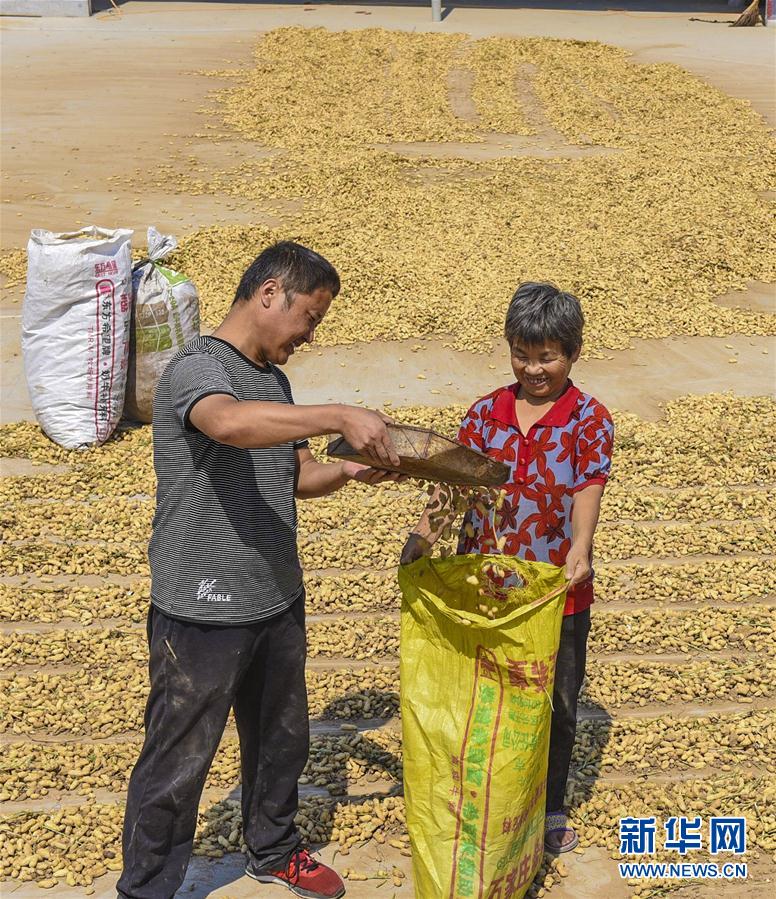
(425, 534)
(584, 518)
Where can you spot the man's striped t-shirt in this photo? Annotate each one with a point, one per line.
(223, 548)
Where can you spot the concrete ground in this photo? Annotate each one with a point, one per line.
(84, 99)
(114, 92)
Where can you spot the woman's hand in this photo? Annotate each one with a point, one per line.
(578, 564)
(415, 548)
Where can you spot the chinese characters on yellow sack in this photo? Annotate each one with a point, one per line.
(479, 637)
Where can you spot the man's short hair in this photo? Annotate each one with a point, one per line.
(539, 313)
(299, 270)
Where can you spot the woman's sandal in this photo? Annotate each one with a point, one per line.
(556, 822)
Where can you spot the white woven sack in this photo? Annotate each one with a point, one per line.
(75, 331)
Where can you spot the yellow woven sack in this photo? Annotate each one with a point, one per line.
(476, 705)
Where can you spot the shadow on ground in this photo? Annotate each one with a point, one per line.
(383, 773)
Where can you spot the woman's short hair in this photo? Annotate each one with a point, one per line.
(539, 312)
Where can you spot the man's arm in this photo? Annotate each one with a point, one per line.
(254, 424)
(316, 479)
(586, 509)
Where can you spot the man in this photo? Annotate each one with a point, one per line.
(226, 624)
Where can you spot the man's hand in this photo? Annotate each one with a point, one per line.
(366, 475)
(415, 547)
(578, 564)
(367, 433)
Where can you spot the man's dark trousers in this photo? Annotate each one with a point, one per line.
(569, 675)
(198, 672)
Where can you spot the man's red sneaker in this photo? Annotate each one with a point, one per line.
(303, 875)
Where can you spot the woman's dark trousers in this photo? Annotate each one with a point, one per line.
(569, 674)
